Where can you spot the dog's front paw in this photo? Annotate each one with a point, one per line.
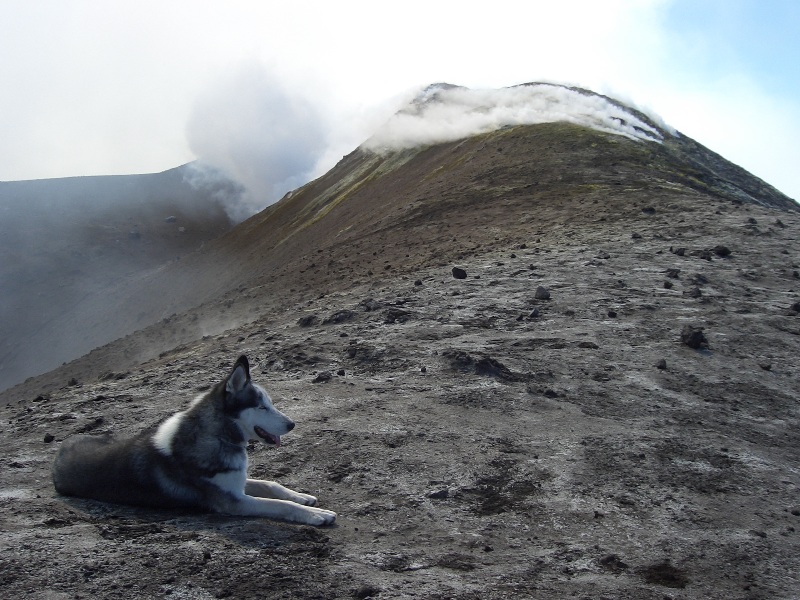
(305, 499)
(320, 517)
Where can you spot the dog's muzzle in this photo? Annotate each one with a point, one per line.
(267, 436)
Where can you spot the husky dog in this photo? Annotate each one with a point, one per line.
(196, 458)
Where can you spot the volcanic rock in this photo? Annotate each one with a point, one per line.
(694, 337)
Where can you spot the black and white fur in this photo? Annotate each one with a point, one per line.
(197, 458)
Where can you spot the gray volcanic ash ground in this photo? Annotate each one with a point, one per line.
(476, 442)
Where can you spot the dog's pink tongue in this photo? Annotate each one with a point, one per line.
(277, 440)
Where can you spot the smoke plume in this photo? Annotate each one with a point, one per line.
(250, 127)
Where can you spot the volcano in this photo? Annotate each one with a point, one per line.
(600, 401)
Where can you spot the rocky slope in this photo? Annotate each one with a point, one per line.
(477, 436)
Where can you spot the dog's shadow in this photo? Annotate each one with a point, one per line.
(121, 522)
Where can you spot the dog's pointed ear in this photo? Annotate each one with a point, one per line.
(239, 377)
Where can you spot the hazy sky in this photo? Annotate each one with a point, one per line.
(110, 87)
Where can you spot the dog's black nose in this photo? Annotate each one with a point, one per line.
(290, 426)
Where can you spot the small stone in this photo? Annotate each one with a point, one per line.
(661, 364)
(323, 377)
(673, 273)
(307, 321)
(439, 494)
(370, 304)
(459, 273)
(636, 236)
(693, 337)
(340, 372)
(765, 365)
(48, 437)
(721, 251)
(694, 292)
(667, 285)
(418, 282)
(612, 314)
(534, 314)
(340, 316)
(542, 293)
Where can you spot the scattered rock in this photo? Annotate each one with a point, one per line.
(661, 364)
(439, 494)
(721, 251)
(673, 273)
(694, 292)
(636, 236)
(705, 254)
(649, 210)
(48, 437)
(664, 574)
(612, 562)
(307, 321)
(694, 337)
(795, 307)
(366, 591)
(534, 314)
(612, 314)
(396, 315)
(678, 251)
(370, 304)
(340, 316)
(323, 377)
(542, 293)
(341, 372)
(459, 273)
(480, 365)
(589, 345)
(418, 282)
(667, 285)
(170, 219)
(765, 365)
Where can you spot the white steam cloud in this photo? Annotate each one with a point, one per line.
(445, 113)
(253, 129)
(250, 128)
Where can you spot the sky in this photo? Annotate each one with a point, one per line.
(274, 93)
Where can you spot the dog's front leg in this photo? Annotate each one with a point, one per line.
(284, 510)
(272, 489)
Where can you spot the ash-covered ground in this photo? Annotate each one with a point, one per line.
(476, 441)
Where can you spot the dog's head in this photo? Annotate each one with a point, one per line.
(251, 407)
